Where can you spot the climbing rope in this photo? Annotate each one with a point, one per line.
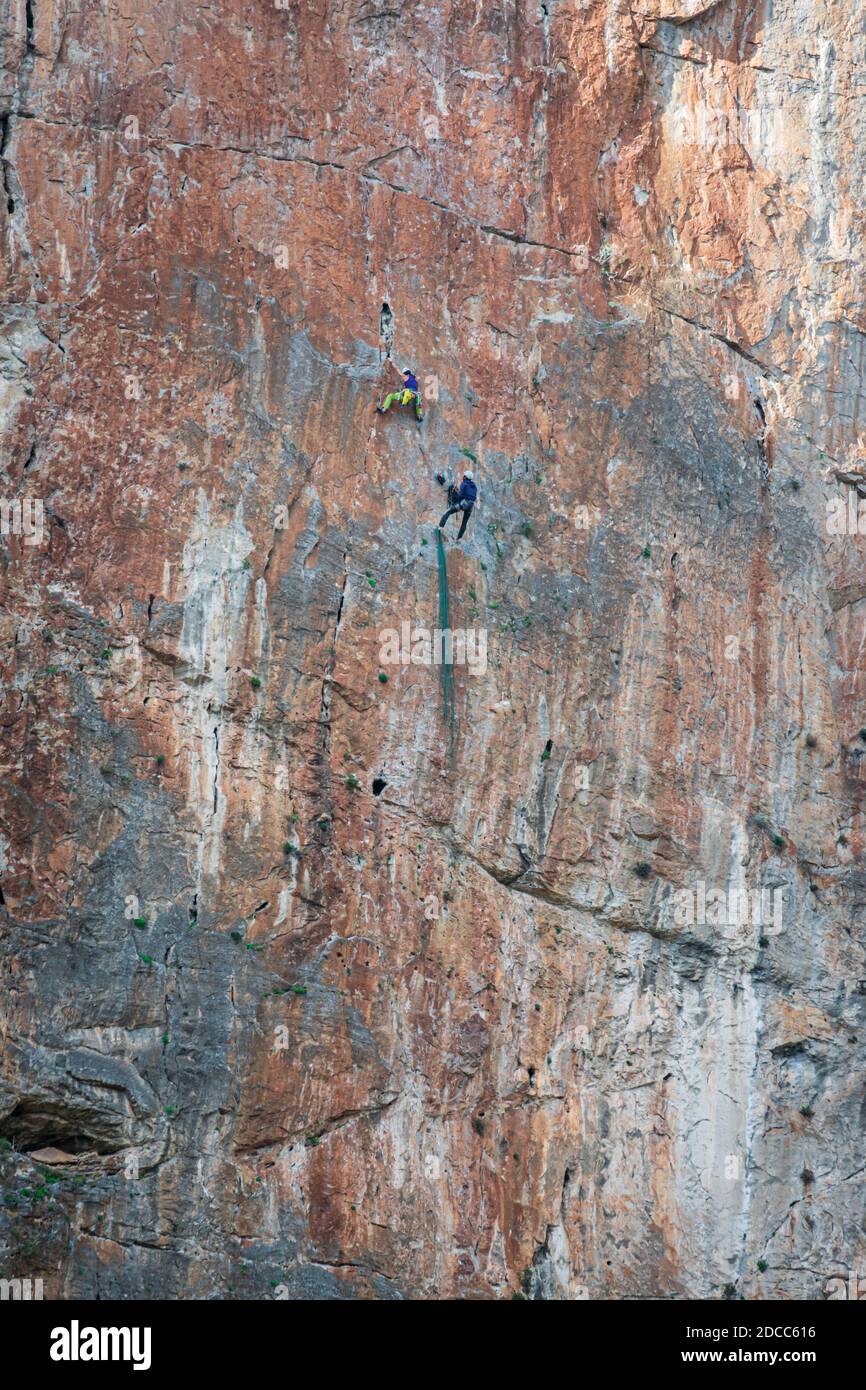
(446, 667)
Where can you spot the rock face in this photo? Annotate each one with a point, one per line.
(307, 993)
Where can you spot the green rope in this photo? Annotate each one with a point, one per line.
(446, 667)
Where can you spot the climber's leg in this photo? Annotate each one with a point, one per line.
(450, 512)
(388, 402)
(419, 408)
(467, 512)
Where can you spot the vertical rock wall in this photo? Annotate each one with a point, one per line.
(268, 1031)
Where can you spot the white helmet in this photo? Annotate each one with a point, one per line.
(468, 473)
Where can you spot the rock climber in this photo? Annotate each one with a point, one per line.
(409, 394)
(460, 499)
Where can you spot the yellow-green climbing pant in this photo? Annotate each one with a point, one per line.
(403, 397)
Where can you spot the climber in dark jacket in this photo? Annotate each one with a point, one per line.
(462, 499)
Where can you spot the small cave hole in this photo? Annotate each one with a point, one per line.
(379, 785)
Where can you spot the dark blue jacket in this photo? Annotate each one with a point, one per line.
(468, 491)
(410, 382)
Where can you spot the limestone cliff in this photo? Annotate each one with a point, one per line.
(304, 993)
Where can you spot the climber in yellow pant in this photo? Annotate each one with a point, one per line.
(406, 396)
